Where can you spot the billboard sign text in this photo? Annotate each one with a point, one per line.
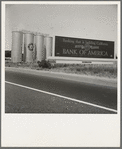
(87, 48)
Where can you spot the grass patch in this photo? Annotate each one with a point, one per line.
(101, 70)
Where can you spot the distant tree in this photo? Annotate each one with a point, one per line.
(7, 53)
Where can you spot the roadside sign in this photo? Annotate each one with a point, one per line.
(87, 48)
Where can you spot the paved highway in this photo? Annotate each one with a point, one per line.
(29, 93)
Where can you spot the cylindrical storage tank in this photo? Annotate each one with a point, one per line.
(28, 47)
(34, 50)
(40, 50)
(16, 54)
(23, 58)
(49, 45)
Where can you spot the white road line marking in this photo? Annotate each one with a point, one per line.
(87, 103)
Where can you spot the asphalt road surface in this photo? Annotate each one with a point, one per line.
(29, 93)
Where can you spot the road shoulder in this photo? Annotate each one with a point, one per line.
(111, 82)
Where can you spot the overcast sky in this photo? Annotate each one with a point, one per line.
(82, 21)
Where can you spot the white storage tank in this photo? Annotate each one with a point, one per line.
(40, 50)
(48, 45)
(16, 53)
(34, 49)
(28, 47)
(23, 56)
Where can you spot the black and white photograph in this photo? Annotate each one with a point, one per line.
(60, 74)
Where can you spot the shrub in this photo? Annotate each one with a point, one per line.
(44, 64)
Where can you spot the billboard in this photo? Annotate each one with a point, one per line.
(86, 48)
